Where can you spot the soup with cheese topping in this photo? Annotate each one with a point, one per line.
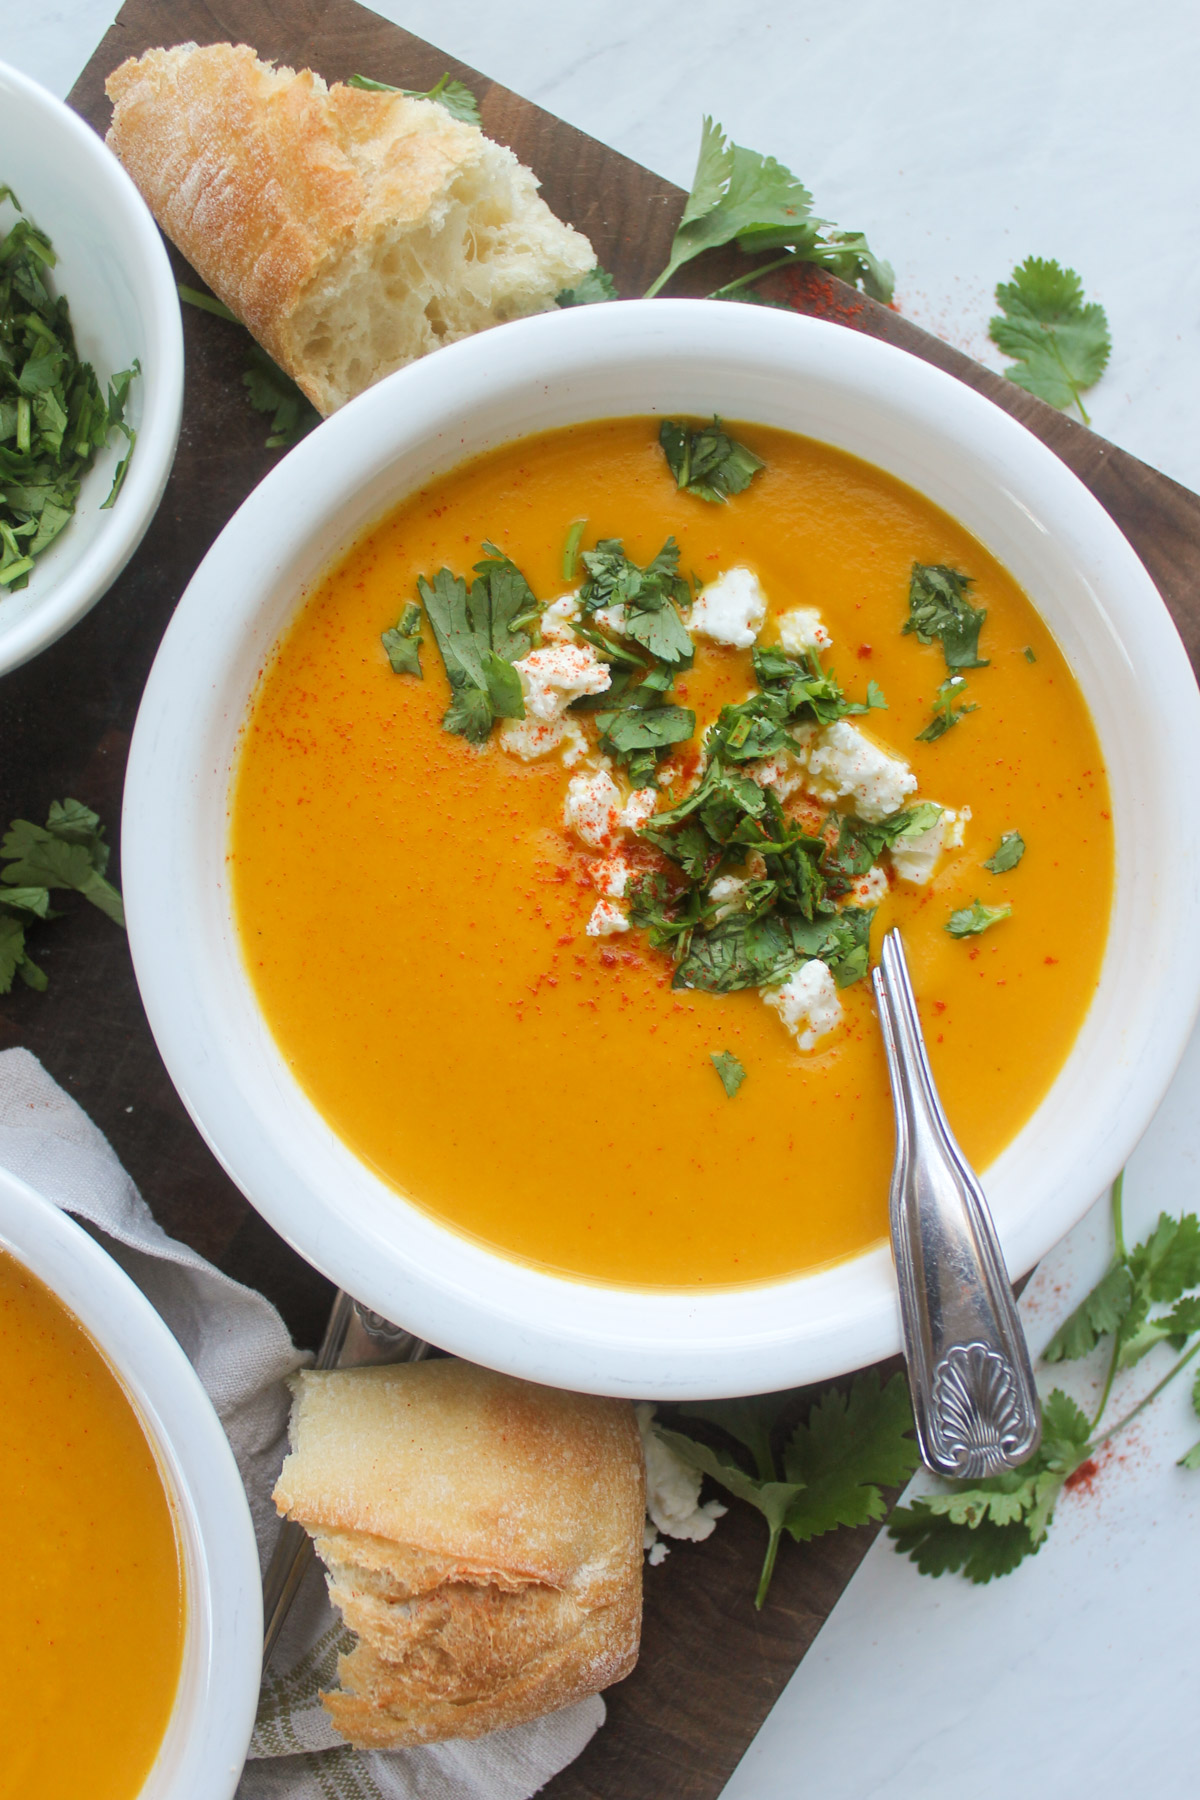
(559, 899)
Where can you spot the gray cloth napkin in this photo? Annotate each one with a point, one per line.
(241, 1350)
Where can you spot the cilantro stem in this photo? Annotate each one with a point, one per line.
(23, 417)
(570, 559)
(1120, 1255)
(1118, 1190)
(1112, 1370)
(768, 1568)
(1155, 1391)
(742, 281)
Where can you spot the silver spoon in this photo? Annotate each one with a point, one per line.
(353, 1338)
(973, 1393)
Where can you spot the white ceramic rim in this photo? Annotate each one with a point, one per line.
(204, 1749)
(949, 443)
(90, 578)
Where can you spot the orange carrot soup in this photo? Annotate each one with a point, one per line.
(571, 808)
(91, 1606)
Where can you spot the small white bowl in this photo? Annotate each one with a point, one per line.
(610, 361)
(115, 274)
(205, 1745)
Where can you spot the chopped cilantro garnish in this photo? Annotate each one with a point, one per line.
(938, 608)
(480, 635)
(729, 1069)
(69, 851)
(570, 555)
(969, 921)
(596, 286)
(945, 712)
(1007, 853)
(739, 196)
(53, 417)
(651, 597)
(1060, 344)
(1029, 655)
(706, 461)
(403, 642)
(455, 96)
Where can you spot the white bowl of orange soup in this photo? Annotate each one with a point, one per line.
(362, 940)
(133, 1614)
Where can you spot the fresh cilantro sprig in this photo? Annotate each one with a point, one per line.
(851, 1444)
(969, 921)
(54, 419)
(706, 461)
(738, 196)
(946, 711)
(984, 1529)
(269, 389)
(938, 607)
(1060, 342)
(69, 851)
(596, 286)
(480, 633)
(455, 96)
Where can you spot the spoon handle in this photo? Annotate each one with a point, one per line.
(973, 1393)
(353, 1337)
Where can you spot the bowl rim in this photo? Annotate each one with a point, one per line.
(205, 1745)
(465, 1297)
(90, 578)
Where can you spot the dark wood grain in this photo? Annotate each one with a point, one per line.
(711, 1667)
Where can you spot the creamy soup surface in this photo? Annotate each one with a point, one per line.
(92, 1605)
(414, 911)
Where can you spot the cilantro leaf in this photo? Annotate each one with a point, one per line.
(1168, 1261)
(596, 286)
(1098, 1313)
(61, 854)
(480, 635)
(749, 1422)
(269, 390)
(945, 712)
(729, 1069)
(651, 597)
(939, 1546)
(455, 96)
(1007, 853)
(1061, 345)
(206, 303)
(938, 608)
(851, 1445)
(1173, 1328)
(403, 642)
(771, 1498)
(969, 921)
(706, 461)
(738, 195)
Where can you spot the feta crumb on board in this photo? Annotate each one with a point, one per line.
(607, 920)
(803, 629)
(672, 1492)
(559, 617)
(807, 1002)
(592, 808)
(550, 679)
(730, 610)
(914, 859)
(844, 763)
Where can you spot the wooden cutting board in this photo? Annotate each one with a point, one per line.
(711, 1667)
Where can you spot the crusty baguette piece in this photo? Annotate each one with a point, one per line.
(351, 231)
(483, 1539)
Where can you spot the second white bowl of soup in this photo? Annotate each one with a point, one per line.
(425, 1004)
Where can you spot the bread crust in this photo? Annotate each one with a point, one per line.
(310, 211)
(483, 1538)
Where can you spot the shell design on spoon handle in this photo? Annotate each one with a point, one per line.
(974, 1399)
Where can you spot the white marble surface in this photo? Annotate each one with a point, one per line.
(1076, 1673)
(960, 138)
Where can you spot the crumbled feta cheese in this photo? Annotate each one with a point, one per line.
(802, 629)
(610, 618)
(550, 679)
(915, 858)
(592, 808)
(673, 1487)
(807, 1003)
(727, 891)
(574, 744)
(607, 920)
(730, 610)
(558, 618)
(869, 889)
(611, 876)
(638, 808)
(659, 1551)
(844, 762)
(782, 773)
